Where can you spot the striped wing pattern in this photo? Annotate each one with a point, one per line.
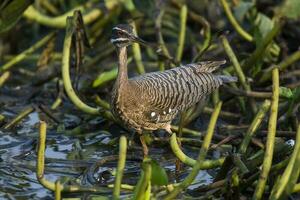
(177, 89)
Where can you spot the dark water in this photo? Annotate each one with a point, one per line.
(77, 155)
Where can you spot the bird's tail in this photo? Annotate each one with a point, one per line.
(227, 79)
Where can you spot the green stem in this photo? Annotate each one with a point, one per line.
(205, 145)
(102, 103)
(223, 114)
(206, 27)
(56, 103)
(234, 22)
(1, 118)
(215, 97)
(181, 37)
(158, 27)
(50, 7)
(206, 164)
(287, 176)
(123, 186)
(41, 158)
(144, 181)
(136, 49)
(207, 34)
(105, 77)
(282, 66)
(235, 62)
(179, 153)
(19, 117)
(259, 51)
(60, 21)
(296, 170)
(267, 163)
(4, 77)
(254, 126)
(25, 53)
(66, 73)
(296, 188)
(289, 60)
(120, 168)
(274, 169)
(161, 66)
(240, 164)
(40, 168)
(58, 188)
(186, 131)
(238, 69)
(59, 97)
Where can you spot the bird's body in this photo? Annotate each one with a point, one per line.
(151, 101)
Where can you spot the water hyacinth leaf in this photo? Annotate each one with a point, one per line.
(285, 92)
(291, 9)
(159, 176)
(264, 24)
(11, 12)
(241, 10)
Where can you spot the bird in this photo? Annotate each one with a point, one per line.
(152, 100)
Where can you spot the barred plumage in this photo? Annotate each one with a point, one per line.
(151, 101)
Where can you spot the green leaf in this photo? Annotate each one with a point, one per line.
(159, 176)
(286, 92)
(264, 23)
(11, 12)
(241, 10)
(291, 9)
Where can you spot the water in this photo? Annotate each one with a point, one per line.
(80, 148)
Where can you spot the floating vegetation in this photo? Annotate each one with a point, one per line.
(59, 139)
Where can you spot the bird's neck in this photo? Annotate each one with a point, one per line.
(122, 78)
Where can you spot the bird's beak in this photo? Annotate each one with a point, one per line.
(140, 41)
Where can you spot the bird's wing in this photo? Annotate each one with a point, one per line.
(174, 90)
(207, 66)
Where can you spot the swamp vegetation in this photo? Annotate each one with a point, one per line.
(58, 139)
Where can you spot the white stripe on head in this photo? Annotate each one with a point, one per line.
(119, 40)
(118, 29)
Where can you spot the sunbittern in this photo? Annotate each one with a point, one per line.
(151, 101)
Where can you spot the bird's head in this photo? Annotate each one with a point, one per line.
(123, 35)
